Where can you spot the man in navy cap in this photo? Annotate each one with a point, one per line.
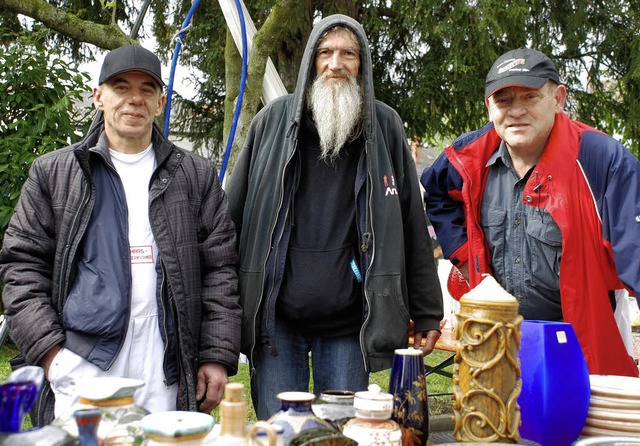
(120, 258)
(546, 204)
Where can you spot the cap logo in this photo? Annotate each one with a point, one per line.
(512, 64)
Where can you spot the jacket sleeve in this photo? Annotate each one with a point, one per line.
(26, 269)
(445, 208)
(425, 294)
(221, 312)
(620, 201)
(236, 187)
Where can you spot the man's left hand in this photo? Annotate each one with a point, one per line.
(430, 337)
(212, 378)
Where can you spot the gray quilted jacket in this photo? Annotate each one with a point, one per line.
(196, 242)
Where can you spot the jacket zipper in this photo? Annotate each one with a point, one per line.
(275, 247)
(62, 283)
(370, 263)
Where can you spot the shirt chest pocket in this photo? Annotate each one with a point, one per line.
(493, 222)
(545, 245)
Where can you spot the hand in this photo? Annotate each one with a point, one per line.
(212, 377)
(48, 358)
(431, 337)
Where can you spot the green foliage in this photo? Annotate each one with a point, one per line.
(38, 111)
(430, 56)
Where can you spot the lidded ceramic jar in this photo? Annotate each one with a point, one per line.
(373, 425)
(121, 416)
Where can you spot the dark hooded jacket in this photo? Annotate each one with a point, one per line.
(197, 282)
(400, 277)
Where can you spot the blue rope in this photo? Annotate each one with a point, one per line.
(236, 114)
(174, 63)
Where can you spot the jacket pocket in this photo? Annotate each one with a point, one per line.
(250, 288)
(387, 318)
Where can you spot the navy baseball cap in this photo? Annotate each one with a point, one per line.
(130, 58)
(523, 67)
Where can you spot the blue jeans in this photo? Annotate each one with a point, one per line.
(337, 365)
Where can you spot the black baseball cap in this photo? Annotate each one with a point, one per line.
(130, 58)
(524, 67)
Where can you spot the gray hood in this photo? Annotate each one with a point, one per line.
(307, 71)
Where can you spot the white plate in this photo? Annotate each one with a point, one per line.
(606, 402)
(614, 414)
(608, 441)
(177, 425)
(626, 387)
(628, 427)
(592, 431)
(107, 387)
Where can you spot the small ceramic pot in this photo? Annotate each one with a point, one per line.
(335, 407)
(372, 425)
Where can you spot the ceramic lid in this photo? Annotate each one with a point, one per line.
(107, 387)
(373, 403)
(177, 425)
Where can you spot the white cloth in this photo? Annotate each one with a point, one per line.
(142, 351)
(626, 312)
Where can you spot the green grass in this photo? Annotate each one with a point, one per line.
(436, 384)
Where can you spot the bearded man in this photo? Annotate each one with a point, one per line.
(335, 256)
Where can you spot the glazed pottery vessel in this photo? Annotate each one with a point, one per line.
(486, 371)
(408, 386)
(373, 425)
(121, 416)
(87, 421)
(176, 427)
(335, 407)
(17, 395)
(296, 415)
(321, 436)
(553, 408)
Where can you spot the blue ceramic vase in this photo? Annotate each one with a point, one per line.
(87, 421)
(17, 396)
(296, 415)
(555, 383)
(408, 386)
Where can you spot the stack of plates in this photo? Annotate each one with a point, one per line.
(614, 407)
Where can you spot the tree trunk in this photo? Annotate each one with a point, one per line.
(264, 43)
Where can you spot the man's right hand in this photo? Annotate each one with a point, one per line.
(47, 359)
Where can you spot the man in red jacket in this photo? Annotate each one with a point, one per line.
(547, 205)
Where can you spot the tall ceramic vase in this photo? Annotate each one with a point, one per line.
(555, 383)
(408, 386)
(486, 372)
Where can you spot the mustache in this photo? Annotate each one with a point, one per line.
(336, 73)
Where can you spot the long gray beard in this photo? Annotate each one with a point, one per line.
(337, 112)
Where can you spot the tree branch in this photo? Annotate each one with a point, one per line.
(103, 36)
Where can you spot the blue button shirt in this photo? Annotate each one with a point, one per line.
(525, 242)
